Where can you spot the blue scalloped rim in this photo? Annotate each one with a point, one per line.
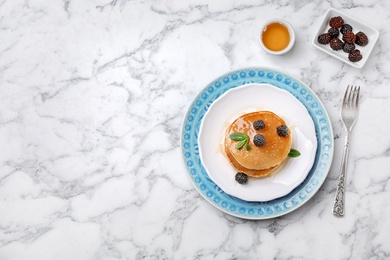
(232, 205)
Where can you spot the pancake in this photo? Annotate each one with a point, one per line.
(260, 160)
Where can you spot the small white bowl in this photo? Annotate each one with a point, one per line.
(290, 31)
(357, 26)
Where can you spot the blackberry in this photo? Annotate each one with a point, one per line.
(324, 38)
(346, 28)
(336, 44)
(259, 140)
(355, 55)
(333, 32)
(348, 47)
(282, 130)
(336, 22)
(349, 37)
(241, 178)
(259, 124)
(361, 39)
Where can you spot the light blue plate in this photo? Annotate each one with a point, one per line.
(232, 205)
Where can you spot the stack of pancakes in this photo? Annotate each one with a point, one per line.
(259, 161)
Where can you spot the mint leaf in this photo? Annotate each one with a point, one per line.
(243, 140)
(294, 153)
(241, 144)
(237, 136)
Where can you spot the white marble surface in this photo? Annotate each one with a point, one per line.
(92, 96)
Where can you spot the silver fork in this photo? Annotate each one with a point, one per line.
(349, 114)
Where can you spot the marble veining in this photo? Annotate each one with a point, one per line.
(92, 100)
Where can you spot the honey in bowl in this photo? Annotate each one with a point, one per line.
(275, 36)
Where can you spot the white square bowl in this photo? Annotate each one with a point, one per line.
(372, 35)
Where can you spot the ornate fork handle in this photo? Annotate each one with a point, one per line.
(338, 207)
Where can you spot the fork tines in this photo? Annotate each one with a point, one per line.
(351, 97)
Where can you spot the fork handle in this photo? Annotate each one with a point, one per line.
(338, 207)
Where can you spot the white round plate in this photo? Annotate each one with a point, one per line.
(245, 99)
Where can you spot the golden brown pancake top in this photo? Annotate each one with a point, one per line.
(270, 155)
